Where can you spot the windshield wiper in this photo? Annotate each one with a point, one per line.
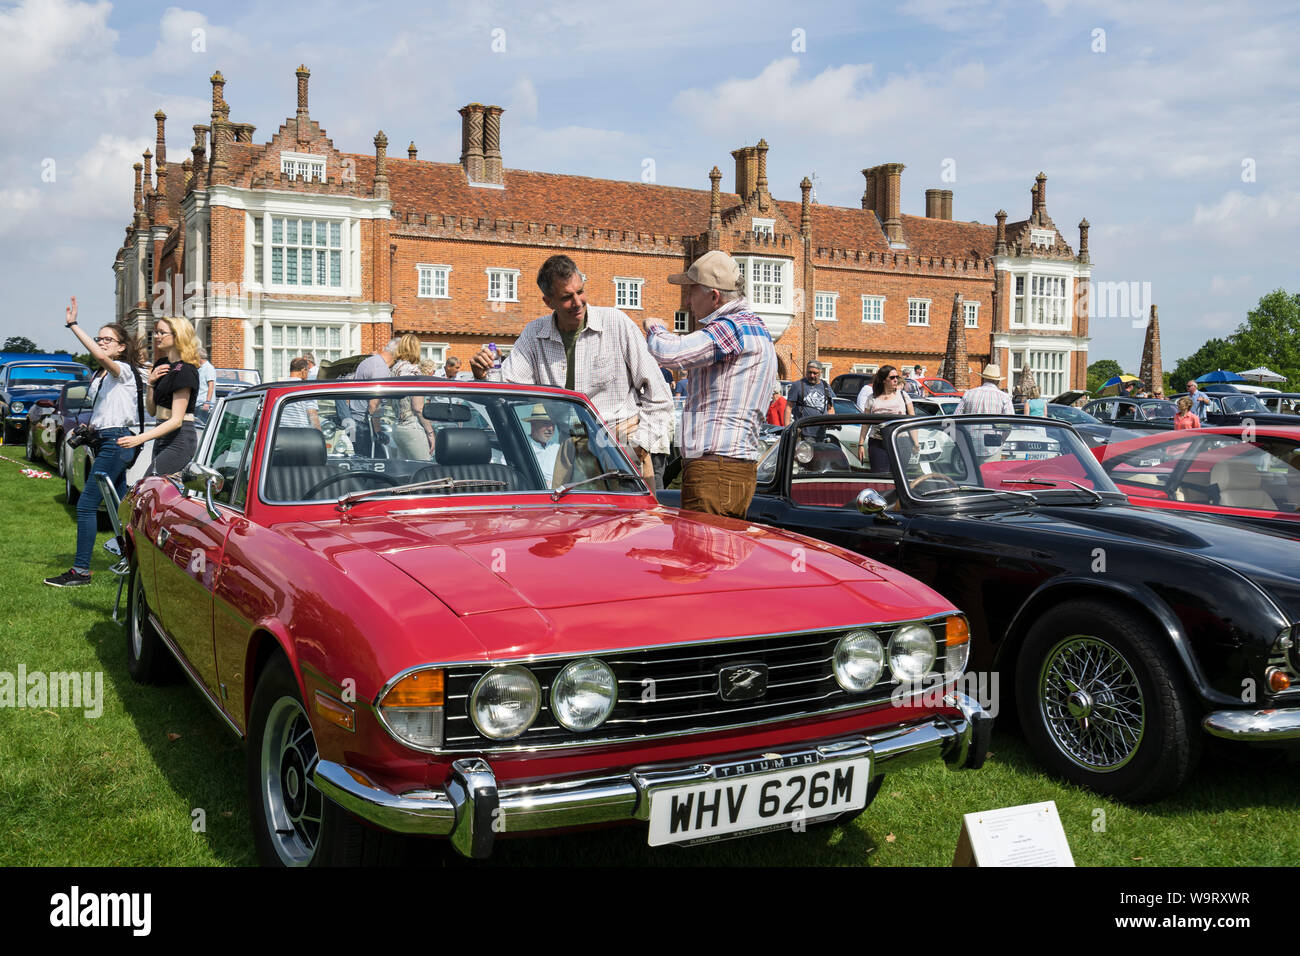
(988, 491)
(1041, 481)
(565, 489)
(436, 484)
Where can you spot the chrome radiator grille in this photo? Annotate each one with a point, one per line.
(674, 689)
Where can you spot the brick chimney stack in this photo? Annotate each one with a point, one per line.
(187, 174)
(148, 172)
(869, 194)
(139, 195)
(411, 151)
(893, 222)
(303, 117)
(381, 165)
(805, 210)
(217, 133)
(934, 204)
(1083, 242)
(492, 168)
(1000, 247)
(471, 141)
(715, 199)
(947, 204)
(760, 182)
(1039, 193)
(746, 171)
(199, 153)
(160, 150)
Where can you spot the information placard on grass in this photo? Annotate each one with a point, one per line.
(1027, 835)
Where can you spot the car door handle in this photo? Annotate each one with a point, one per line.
(163, 535)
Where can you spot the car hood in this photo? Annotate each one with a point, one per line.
(1271, 560)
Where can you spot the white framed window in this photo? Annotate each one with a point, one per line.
(436, 351)
(764, 228)
(681, 321)
(433, 281)
(1018, 314)
(918, 311)
(764, 280)
(1042, 237)
(1050, 370)
(304, 165)
(824, 306)
(306, 252)
(972, 312)
(1047, 300)
(289, 340)
(826, 370)
(503, 285)
(259, 244)
(865, 369)
(873, 309)
(627, 293)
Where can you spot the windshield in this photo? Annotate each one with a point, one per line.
(938, 385)
(1153, 411)
(961, 457)
(1068, 413)
(1241, 404)
(45, 376)
(327, 444)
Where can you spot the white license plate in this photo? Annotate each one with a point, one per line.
(759, 801)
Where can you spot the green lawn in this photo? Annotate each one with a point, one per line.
(121, 789)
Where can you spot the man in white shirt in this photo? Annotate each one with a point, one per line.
(541, 439)
(207, 382)
(590, 349)
(300, 413)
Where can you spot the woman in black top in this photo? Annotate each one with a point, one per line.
(173, 391)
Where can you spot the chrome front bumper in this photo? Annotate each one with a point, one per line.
(1264, 726)
(472, 809)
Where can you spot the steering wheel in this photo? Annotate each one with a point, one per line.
(944, 483)
(379, 476)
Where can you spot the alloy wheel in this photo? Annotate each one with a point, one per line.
(293, 805)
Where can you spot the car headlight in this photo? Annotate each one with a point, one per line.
(18, 408)
(859, 660)
(584, 694)
(505, 702)
(911, 653)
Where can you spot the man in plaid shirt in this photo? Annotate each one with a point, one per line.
(732, 364)
(987, 399)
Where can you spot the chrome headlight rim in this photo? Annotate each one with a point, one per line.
(839, 664)
(558, 704)
(533, 686)
(897, 654)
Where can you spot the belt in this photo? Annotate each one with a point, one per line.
(724, 458)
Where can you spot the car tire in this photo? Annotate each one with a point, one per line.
(30, 454)
(1103, 702)
(148, 659)
(294, 824)
(59, 466)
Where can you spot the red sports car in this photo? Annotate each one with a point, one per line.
(478, 621)
(1246, 474)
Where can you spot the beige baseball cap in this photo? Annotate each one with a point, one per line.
(715, 269)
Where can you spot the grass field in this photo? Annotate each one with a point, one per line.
(123, 788)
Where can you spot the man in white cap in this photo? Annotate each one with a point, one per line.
(541, 439)
(732, 365)
(987, 398)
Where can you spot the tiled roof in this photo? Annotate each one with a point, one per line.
(943, 237)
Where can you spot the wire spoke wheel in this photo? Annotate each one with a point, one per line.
(294, 806)
(1092, 703)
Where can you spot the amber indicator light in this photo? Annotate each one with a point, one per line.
(417, 689)
(958, 630)
(1278, 680)
(336, 712)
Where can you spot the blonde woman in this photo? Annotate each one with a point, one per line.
(171, 395)
(413, 435)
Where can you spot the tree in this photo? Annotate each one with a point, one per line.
(19, 343)
(1101, 370)
(1270, 336)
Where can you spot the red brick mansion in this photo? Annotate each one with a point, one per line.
(293, 246)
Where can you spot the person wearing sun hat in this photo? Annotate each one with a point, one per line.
(541, 439)
(732, 365)
(987, 398)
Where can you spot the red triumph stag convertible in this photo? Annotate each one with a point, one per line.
(1246, 474)
(476, 621)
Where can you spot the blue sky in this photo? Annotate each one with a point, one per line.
(1175, 129)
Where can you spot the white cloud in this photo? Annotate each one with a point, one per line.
(184, 35)
(1226, 285)
(523, 100)
(97, 185)
(38, 35)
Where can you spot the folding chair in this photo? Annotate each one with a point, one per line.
(123, 567)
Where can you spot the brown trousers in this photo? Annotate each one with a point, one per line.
(718, 486)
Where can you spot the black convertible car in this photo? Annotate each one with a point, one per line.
(1120, 629)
